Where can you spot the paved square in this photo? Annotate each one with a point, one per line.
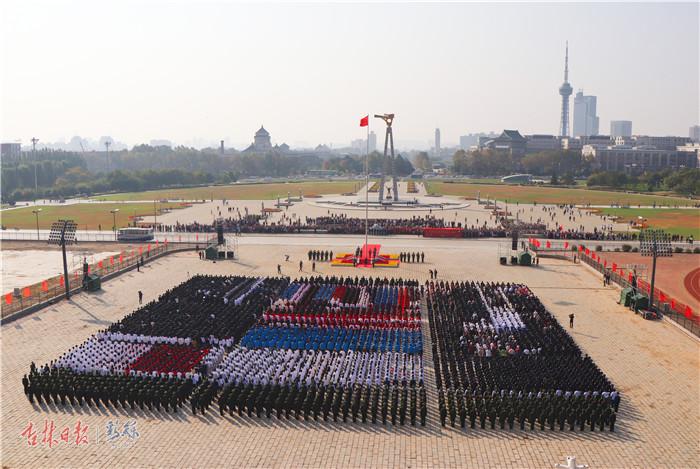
(654, 365)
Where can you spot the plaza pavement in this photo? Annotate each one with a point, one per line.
(653, 364)
(471, 214)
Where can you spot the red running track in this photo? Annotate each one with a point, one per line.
(692, 283)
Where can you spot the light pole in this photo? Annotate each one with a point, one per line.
(114, 221)
(36, 184)
(654, 243)
(107, 144)
(36, 212)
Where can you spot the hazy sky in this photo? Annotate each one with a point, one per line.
(139, 70)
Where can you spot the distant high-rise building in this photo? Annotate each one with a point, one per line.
(472, 140)
(694, 133)
(161, 143)
(372, 142)
(437, 142)
(537, 143)
(585, 119)
(620, 129)
(10, 150)
(565, 91)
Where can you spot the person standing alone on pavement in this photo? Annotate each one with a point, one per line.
(140, 297)
(571, 320)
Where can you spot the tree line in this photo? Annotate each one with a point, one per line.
(352, 164)
(685, 181)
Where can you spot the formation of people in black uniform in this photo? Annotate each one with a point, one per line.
(398, 404)
(202, 307)
(62, 386)
(544, 410)
(316, 255)
(412, 257)
(533, 370)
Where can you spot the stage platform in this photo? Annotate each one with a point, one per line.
(368, 253)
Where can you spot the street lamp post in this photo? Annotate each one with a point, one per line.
(114, 221)
(36, 213)
(654, 243)
(36, 180)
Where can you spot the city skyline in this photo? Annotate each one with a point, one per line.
(193, 87)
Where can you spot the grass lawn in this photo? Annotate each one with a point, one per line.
(677, 221)
(260, 191)
(552, 195)
(88, 216)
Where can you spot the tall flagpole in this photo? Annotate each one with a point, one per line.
(367, 186)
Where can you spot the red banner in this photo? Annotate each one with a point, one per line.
(26, 292)
(45, 286)
(442, 232)
(8, 298)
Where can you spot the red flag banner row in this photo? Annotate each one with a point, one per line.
(642, 285)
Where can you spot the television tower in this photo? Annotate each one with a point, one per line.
(565, 91)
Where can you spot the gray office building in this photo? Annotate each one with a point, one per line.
(585, 119)
(620, 129)
(694, 133)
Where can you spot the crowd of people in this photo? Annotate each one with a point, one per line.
(359, 402)
(500, 355)
(340, 348)
(343, 224)
(412, 257)
(63, 386)
(331, 347)
(205, 308)
(318, 347)
(318, 255)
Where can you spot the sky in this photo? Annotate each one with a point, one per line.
(208, 70)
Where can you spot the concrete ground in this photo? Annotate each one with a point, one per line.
(654, 364)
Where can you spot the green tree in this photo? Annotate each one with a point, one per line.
(422, 161)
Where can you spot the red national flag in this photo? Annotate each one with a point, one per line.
(364, 122)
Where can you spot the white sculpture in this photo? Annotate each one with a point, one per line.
(571, 464)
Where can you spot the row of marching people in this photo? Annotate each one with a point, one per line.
(334, 338)
(386, 403)
(363, 321)
(65, 387)
(317, 296)
(549, 410)
(274, 366)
